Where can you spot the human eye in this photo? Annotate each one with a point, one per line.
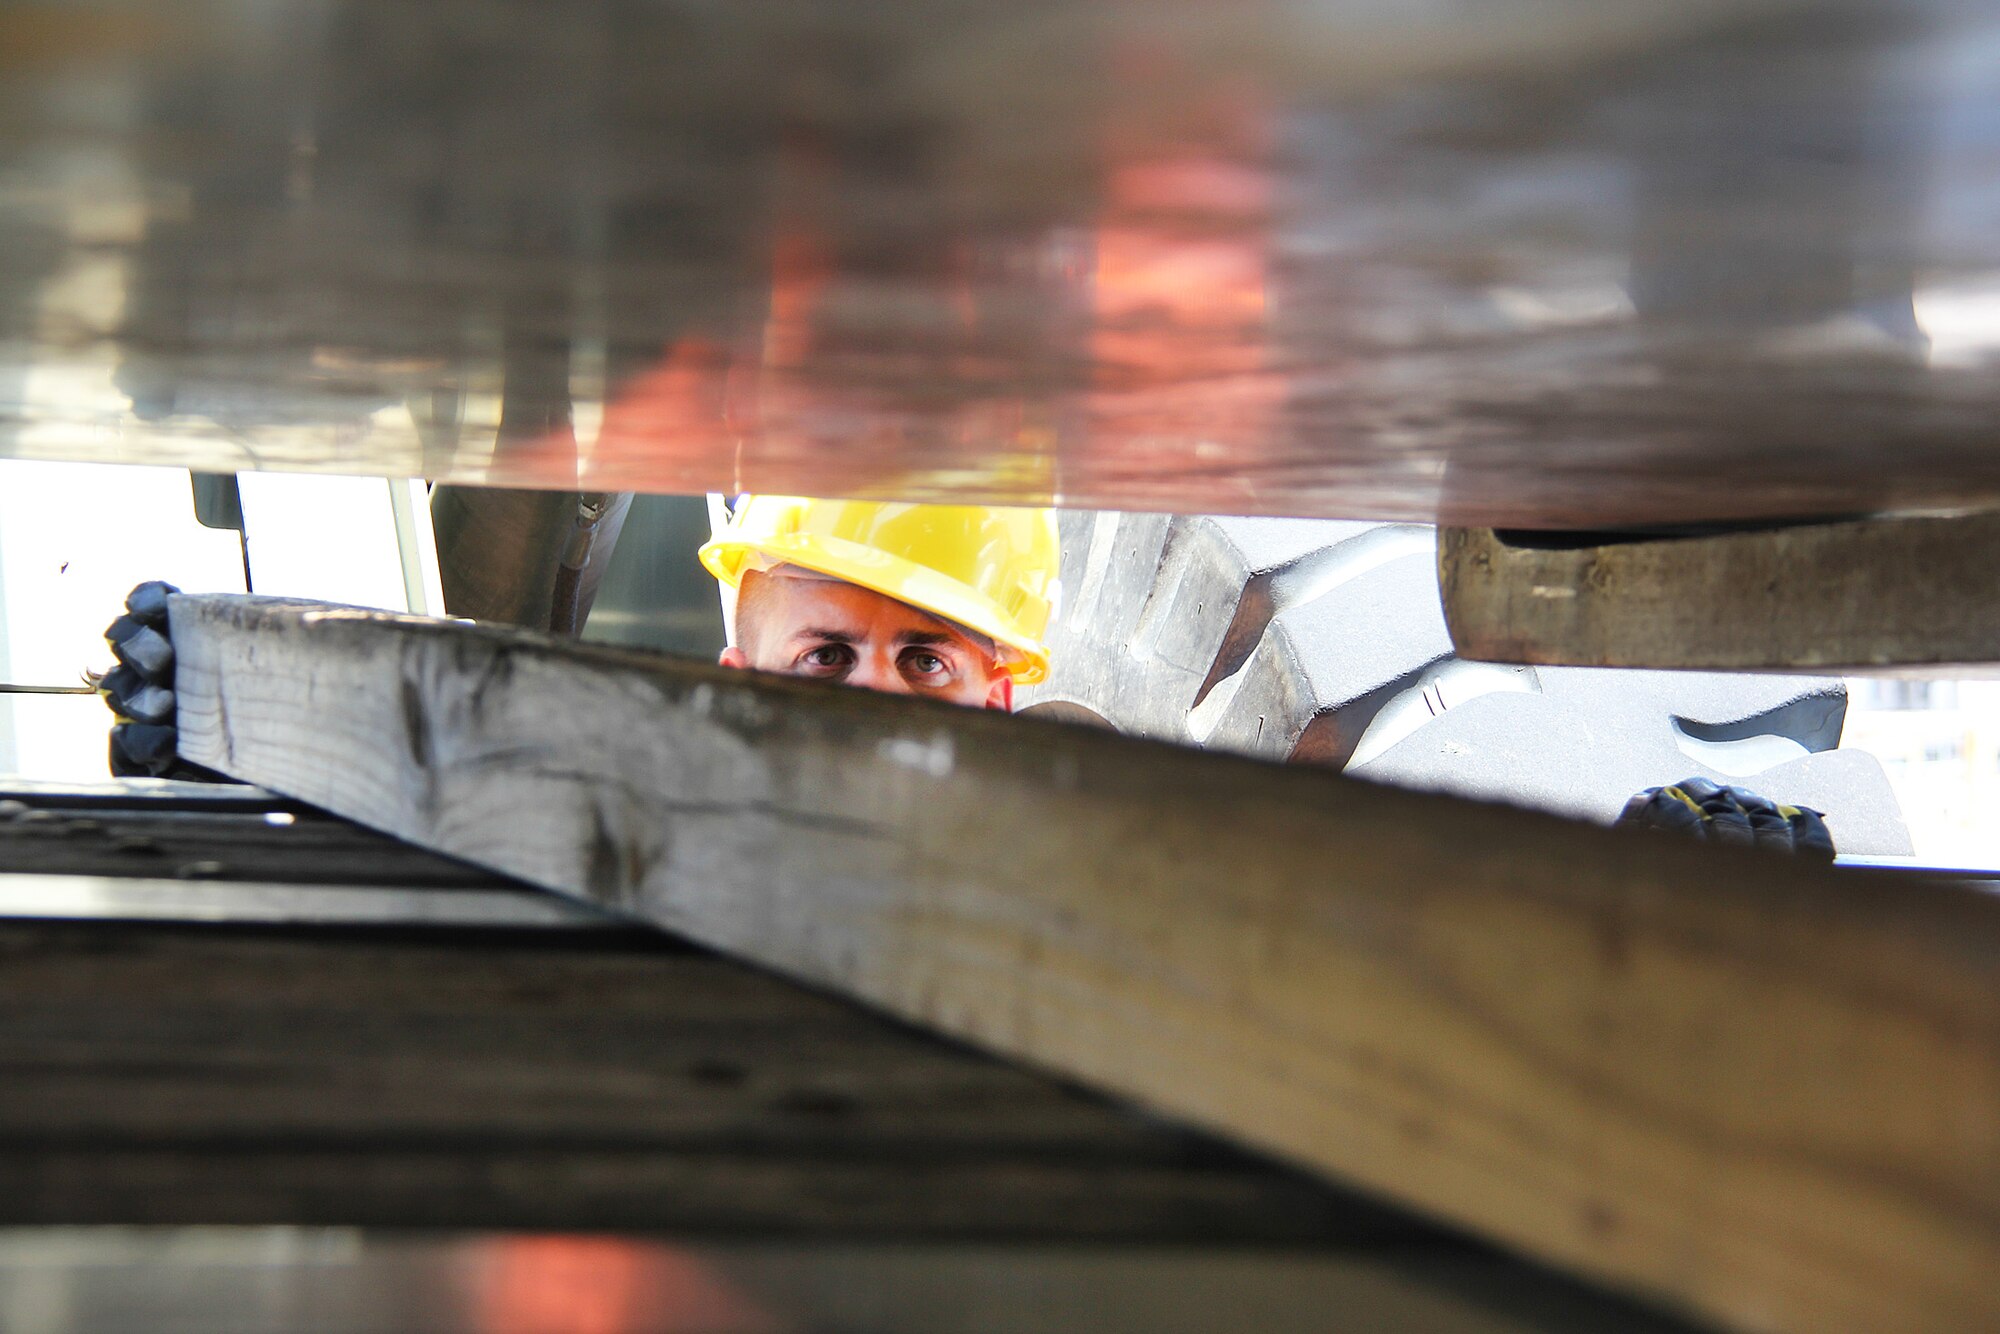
(926, 667)
(826, 660)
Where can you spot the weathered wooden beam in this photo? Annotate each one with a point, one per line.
(1870, 593)
(174, 1075)
(1764, 1091)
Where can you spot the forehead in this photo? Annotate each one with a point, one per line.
(793, 607)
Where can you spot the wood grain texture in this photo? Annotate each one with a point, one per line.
(224, 845)
(160, 853)
(1864, 595)
(1764, 1091)
(162, 1075)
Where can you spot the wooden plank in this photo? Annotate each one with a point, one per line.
(298, 847)
(1864, 595)
(1766, 1091)
(204, 1075)
(170, 856)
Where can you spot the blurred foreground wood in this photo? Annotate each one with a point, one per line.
(313, 1118)
(1763, 1091)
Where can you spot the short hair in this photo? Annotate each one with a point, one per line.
(751, 608)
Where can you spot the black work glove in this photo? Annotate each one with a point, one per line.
(1730, 815)
(140, 689)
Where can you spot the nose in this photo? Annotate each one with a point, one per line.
(878, 672)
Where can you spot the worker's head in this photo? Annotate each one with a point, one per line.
(791, 621)
(948, 601)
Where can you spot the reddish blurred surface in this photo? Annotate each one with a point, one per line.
(1577, 265)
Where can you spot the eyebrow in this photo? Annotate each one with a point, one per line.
(906, 638)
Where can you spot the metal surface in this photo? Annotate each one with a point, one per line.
(1985, 877)
(142, 794)
(1537, 262)
(339, 1281)
(134, 898)
(1324, 642)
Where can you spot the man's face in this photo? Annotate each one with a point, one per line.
(842, 632)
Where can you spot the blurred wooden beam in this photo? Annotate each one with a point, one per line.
(1866, 594)
(1763, 1091)
(171, 1076)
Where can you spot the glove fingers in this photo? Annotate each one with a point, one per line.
(143, 750)
(1810, 835)
(1733, 816)
(148, 603)
(140, 689)
(1663, 808)
(145, 650)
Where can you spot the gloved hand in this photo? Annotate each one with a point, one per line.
(1731, 815)
(141, 689)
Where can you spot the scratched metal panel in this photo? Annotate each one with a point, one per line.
(1540, 262)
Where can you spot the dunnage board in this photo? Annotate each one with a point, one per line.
(675, 1108)
(1765, 1091)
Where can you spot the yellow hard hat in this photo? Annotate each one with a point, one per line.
(990, 569)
